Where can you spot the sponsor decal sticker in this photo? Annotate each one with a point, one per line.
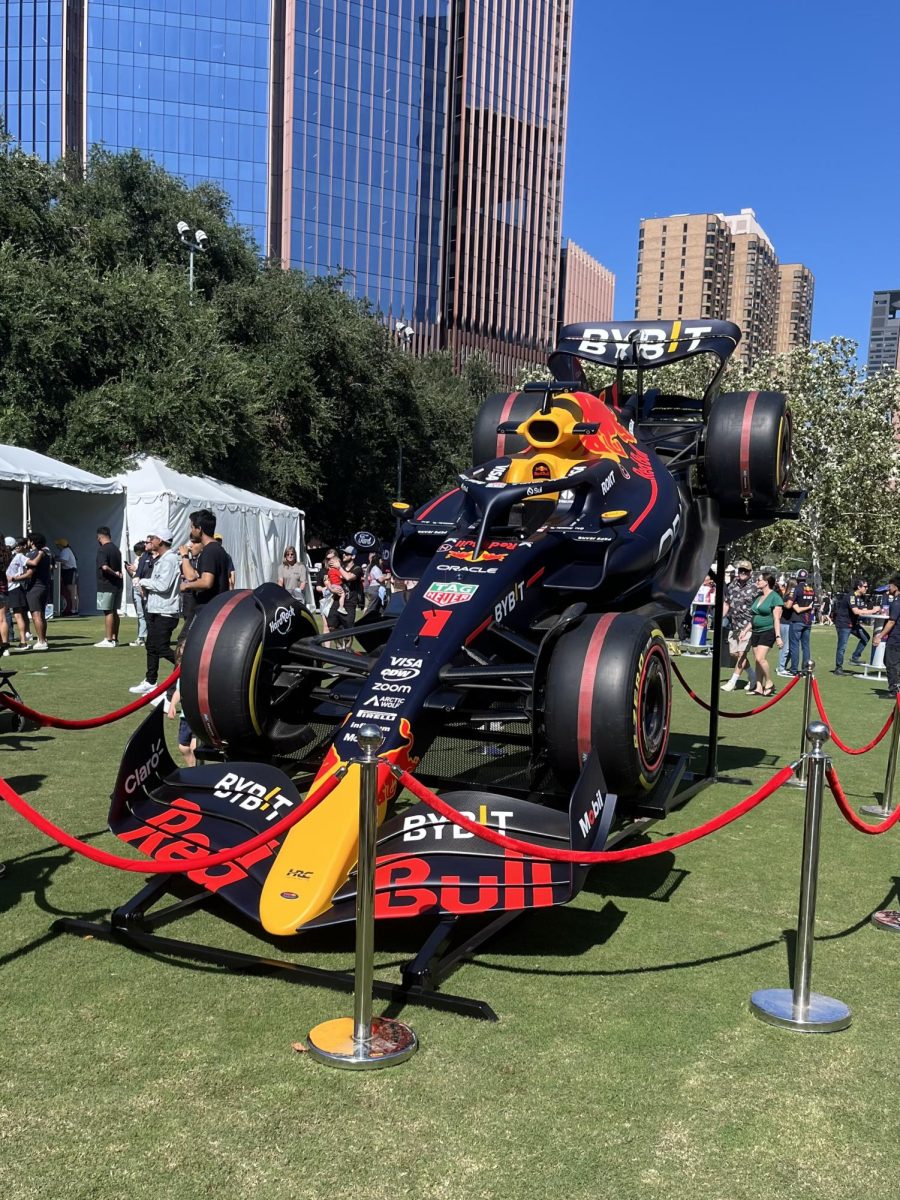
(446, 594)
(509, 602)
(140, 774)
(468, 570)
(587, 822)
(250, 795)
(435, 620)
(415, 825)
(282, 621)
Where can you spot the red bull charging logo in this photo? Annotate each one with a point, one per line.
(611, 438)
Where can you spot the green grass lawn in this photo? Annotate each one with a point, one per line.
(625, 1064)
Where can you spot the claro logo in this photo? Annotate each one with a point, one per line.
(143, 772)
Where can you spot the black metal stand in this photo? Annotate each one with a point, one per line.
(132, 924)
(712, 749)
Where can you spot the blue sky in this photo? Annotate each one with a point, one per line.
(791, 108)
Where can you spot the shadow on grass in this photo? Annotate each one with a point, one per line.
(728, 758)
(542, 937)
(23, 741)
(31, 874)
(655, 878)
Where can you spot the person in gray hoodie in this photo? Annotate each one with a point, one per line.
(161, 593)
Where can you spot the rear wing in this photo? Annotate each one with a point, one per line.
(641, 344)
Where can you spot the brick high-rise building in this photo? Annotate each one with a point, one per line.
(587, 289)
(683, 263)
(884, 332)
(419, 146)
(796, 287)
(719, 266)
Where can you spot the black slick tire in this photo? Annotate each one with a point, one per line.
(227, 684)
(747, 456)
(609, 688)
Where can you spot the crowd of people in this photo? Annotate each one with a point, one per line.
(762, 610)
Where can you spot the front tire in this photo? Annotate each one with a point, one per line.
(229, 686)
(609, 688)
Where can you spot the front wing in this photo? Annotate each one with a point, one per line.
(425, 864)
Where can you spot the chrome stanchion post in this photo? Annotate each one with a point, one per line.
(808, 673)
(364, 1041)
(801, 1009)
(887, 805)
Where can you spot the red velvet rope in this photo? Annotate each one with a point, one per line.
(751, 712)
(844, 805)
(834, 737)
(88, 722)
(149, 867)
(596, 856)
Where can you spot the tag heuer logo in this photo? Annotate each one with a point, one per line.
(445, 594)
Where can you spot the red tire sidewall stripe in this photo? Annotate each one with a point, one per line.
(209, 646)
(746, 424)
(504, 416)
(583, 724)
(655, 651)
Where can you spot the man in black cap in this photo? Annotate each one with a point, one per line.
(847, 613)
(890, 635)
(804, 603)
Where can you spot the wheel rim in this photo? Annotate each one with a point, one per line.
(783, 463)
(653, 710)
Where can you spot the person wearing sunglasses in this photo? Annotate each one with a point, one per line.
(739, 596)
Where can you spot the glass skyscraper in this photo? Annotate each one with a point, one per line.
(417, 145)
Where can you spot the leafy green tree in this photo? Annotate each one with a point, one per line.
(846, 457)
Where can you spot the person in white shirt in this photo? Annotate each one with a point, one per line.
(161, 594)
(16, 601)
(68, 565)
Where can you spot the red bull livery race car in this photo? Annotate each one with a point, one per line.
(527, 673)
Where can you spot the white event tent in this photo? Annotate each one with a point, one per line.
(254, 530)
(52, 498)
(43, 494)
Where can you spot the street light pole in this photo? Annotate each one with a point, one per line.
(195, 244)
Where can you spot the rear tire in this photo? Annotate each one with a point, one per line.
(609, 688)
(228, 685)
(487, 443)
(747, 459)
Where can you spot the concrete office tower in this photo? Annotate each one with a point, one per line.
(796, 287)
(721, 266)
(884, 332)
(586, 288)
(419, 145)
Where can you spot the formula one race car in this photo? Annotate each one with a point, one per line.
(527, 671)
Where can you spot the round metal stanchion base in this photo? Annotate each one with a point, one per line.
(874, 810)
(823, 1015)
(887, 918)
(333, 1043)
